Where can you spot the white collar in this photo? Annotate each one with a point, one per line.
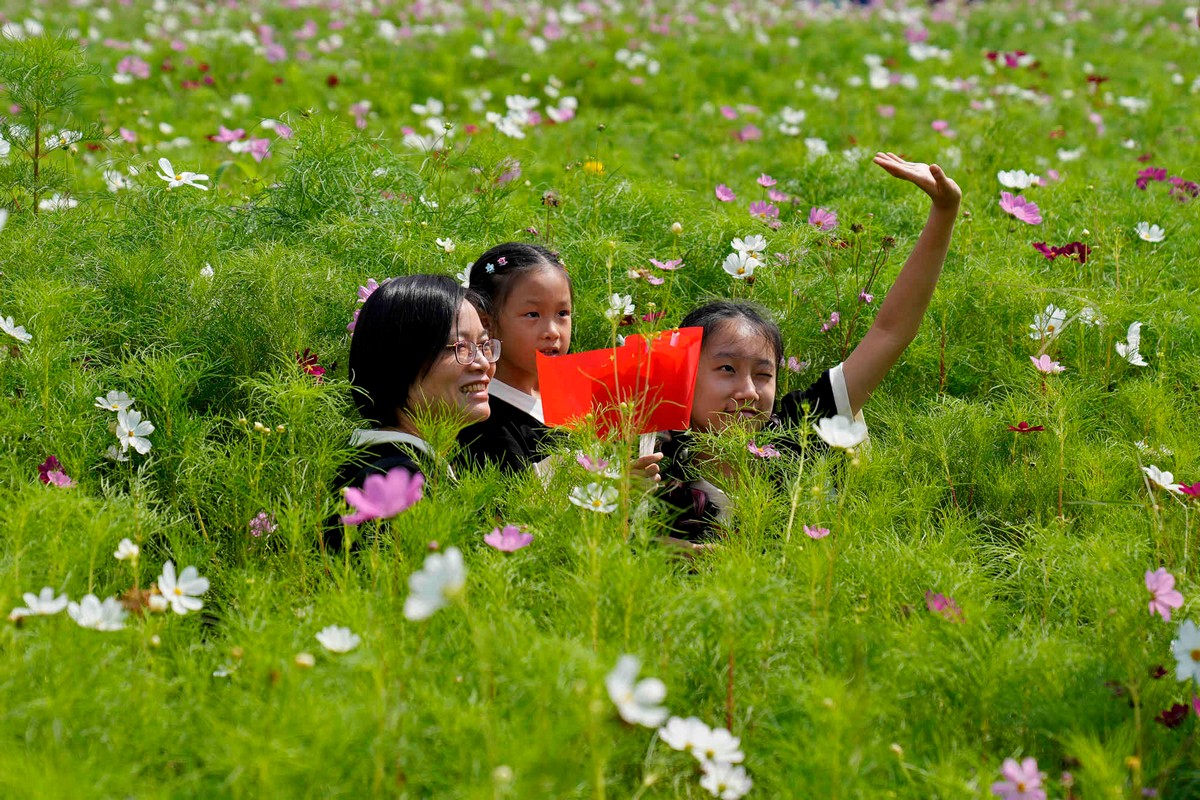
(515, 397)
(364, 437)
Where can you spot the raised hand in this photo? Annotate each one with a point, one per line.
(928, 177)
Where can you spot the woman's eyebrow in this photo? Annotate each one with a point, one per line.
(744, 357)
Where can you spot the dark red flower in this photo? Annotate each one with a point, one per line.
(1144, 157)
(1025, 427)
(307, 361)
(1158, 671)
(653, 315)
(277, 79)
(331, 81)
(1174, 716)
(1076, 250)
(46, 467)
(1150, 174)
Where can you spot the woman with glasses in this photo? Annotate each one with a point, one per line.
(419, 356)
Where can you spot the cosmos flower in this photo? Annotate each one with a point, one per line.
(1128, 349)
(637, 701)
(1162, 479)
(337, 639)
(1021, 781)
(44, 603)
(595, 497)
(1187, 652)
(1020, 208)
(1150, 233)
(173, 178)
(508, 539)
(725, 194)
(840, 431)
(822, 218)
(384, 496)
(182, 592)
(1163, 594)
(439, 581)
(1049, 323)
(1045, 365)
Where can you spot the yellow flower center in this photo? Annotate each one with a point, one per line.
(178, 177)
(741, 270)
(1049, 329)
(1021, 786)
(596, 503)
(178, 591)
(1196, 654)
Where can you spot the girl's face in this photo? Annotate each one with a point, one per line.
(735, 380)
(454, 389)
(535, 318)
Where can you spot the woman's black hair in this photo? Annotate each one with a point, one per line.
(401, 332)
(711, 316)
(495, 273)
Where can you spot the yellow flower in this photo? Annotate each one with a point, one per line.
(593, 167)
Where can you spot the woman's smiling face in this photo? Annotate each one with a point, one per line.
(454, 389)
(735, 380)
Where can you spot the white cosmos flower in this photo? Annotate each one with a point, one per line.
(114, 401)
(1070, 155)
(116, 180)
(207, 271)
(44, 603)
(1090, 317)
(1187, 652)
(720, 747)
(3, 211)
(684, 733)
(1128, 349)
(57, 202)
(1150, 233)
(183, 593)
(132, 431)
(840, 431)
(595, 497)
(126, 551)
(446, 244)
(1162, 479)
(174, 178)
(637, 701)
(1017, 179)
(1049, 323)
(752, 246)
(726, 781)
(337, 639)
(441, 579)
(91, 613)
(14, 330)
(816, 148)
(740, 266)
(619, 306)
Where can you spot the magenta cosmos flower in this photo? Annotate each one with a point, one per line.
(384, 496)
(1163, 594)
(508, 538)
(766, 451)
(1020, 208)
(51, 472)
(725, 194)
(1021, 781)
(822, 218)
(814, 532)
(939, 603)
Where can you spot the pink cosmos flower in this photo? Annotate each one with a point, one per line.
(1022, 781)
(262, 524)
(592, 464)
(509, 539)
(384, 496)
(834, 319)
(813, 532)
(128, 135)
(1020, 208)
(1044, 364)
(822, 218)
(940, 125)
(796, 365)
(225, 136)
(1163, 594)
(887, 112)
(766, 451)
(750, 133)
(766, 181)
(729, 112)
(866, 297)
(939, 603)
(366, 291)
(512, 171)
(283, 131)
(778, 197)
(764, 210)
(259, 148)
(725, 194)
(674, 263)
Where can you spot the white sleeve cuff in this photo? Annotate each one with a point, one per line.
(841, 395)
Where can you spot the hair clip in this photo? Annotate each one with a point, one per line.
(489, 269)
(502, 261)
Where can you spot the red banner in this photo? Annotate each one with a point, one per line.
(654, 377)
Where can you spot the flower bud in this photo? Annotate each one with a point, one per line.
(305, 660)
(676, 228)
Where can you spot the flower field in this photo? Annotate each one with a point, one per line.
(995, 596)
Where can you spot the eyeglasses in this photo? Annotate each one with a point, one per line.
(465, 352)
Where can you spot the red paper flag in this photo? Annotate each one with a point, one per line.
(655, 376)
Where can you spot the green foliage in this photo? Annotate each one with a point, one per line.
(820, 653)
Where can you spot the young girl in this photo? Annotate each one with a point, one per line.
(527, 300)
(526, 295)
(743, 348)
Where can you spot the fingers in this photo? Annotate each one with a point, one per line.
(647, 466)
